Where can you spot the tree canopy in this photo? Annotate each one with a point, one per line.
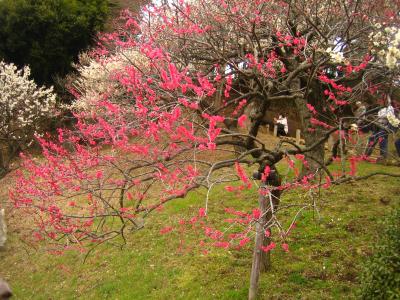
(23, 107)
(47, 35)
(174, 101)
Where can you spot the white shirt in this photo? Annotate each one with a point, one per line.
(384, 112)
(283, 121)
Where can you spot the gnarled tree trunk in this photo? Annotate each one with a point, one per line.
(312, 134)
(316, 156)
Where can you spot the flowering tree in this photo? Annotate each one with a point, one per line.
(22, 106)
(170, 118)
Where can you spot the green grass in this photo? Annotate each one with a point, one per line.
(324, 261)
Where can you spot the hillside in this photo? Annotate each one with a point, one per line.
(151, 192)
(326, 252)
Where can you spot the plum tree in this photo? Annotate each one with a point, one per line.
(170, 118)
(23, 107)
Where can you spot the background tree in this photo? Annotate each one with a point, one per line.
(171, 120)
(23, 107)
(47, 35)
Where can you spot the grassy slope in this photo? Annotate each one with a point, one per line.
(323, 262)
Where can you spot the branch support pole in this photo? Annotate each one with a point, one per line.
(3, 228)
(261, 260)
(298, 136)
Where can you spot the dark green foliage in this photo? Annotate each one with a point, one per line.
(381, 278)
(47, 35)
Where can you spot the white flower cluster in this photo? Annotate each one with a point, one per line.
(96, 78)
(336, 56)
(22, 102)
(386, 43)
(395, 122)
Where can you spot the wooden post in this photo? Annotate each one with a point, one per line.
(259, 257)
(298, 136)
(267, 205)
(275, 130)
(3, 228)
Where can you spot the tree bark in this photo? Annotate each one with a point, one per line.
(3, 164)
(6, 154)
(315, 157)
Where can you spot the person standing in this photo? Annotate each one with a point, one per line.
(381, 132)
(282, 125)
(394, 124)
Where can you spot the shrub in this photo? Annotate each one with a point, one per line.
(47, 35)
(23, 107)
(381, 277)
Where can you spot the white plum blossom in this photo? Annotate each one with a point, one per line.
(386, 43)
(22, 103)
(336, 55)
(97, 78)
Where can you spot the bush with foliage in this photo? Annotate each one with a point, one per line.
(47, 35)
(381, 277)
(23, 105)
